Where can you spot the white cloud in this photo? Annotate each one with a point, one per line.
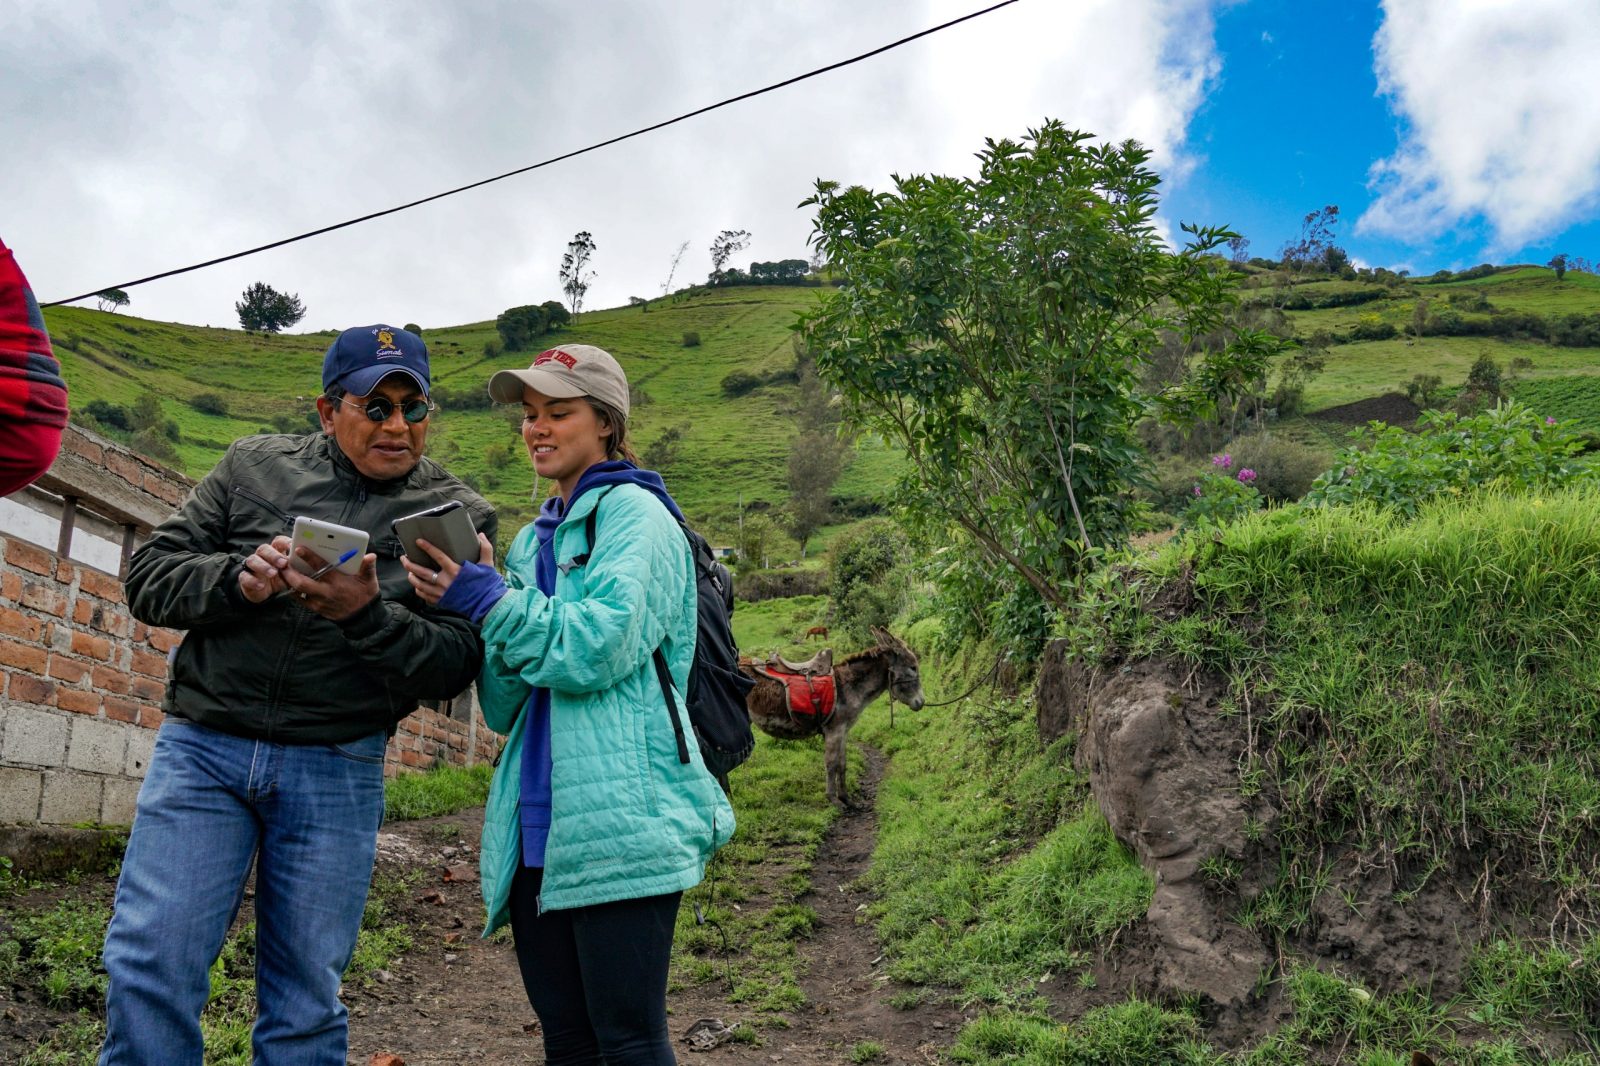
(161, 133)
(1499, 122)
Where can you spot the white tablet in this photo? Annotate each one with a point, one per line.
(329, 540)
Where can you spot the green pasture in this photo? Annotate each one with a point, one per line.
(1573, 398)
(1363, 370)
(733, 449)
(1532, 288)
(731, 446)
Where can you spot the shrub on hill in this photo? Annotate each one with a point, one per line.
(870, 579)
(1285, 469)
(109, 415)
(471, 398)
(209, 403)
(753, 585)
(520, 327)
(780, 272)
(743, 382)
(691, 339)
(1372, 327)
(1302, 301)
(1508, 448)
(156, 444)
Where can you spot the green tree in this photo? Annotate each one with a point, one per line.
(575, 273)
(112, 299)
(817, 452)
(264, 309)
(756, 534)
(662, 453)
(146, 411)
(556, 315)
(1558, 263)
(995, 329)
(520, 326)
(726, 244)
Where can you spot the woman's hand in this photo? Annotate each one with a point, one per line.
(430, 583)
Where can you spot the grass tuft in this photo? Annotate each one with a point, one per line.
(443, 790)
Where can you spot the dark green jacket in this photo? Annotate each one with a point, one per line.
(275, 671)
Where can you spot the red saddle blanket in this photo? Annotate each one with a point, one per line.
(810, 696)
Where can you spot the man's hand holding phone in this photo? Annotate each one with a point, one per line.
(324, 586)
(335, 595)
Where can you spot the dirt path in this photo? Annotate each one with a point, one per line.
(848, 992)
(455, 998)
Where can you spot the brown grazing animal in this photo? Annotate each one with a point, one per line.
(816, 631)
(858, 680)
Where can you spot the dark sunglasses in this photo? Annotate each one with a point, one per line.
(379, 408)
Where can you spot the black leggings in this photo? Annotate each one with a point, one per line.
(596, 976)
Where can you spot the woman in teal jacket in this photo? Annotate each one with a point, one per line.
(594, 826)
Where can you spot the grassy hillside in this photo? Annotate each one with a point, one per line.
(1358, 369)
(1422, 876)
(735, 447)
(731, 446)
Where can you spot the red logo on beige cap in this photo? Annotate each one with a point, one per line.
(556, 355)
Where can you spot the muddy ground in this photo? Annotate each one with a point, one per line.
(456, 998)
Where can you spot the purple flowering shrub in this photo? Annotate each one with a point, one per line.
(1222, 494)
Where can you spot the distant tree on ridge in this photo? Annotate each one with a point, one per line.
(264, 309)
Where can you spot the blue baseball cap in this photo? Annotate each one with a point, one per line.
(365, 355)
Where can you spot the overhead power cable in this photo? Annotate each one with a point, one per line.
(545, 162)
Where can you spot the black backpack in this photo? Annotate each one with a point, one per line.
(717, 711)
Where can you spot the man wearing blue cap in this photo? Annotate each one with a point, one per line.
(279, 707)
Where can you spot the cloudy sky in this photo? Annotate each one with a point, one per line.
(141, 136)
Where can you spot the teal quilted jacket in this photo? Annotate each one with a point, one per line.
(627, 818)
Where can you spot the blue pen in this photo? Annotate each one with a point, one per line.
(345, 558)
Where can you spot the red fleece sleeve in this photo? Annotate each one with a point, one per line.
(33, 396)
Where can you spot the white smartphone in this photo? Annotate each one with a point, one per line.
(331, 541)
(447, 527)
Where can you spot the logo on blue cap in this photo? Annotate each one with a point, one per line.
(386, 345)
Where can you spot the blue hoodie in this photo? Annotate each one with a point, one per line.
(478, 588)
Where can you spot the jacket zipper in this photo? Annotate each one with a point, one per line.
(250, 494)
(297, 623)
(275, 692)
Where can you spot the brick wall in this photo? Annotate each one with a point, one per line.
(81, 681)
(431, 738)
(80, 691)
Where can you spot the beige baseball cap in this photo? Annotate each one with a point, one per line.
(571, 370)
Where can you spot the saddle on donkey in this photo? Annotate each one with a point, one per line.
(809, 684)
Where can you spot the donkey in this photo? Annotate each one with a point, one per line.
(859, 679)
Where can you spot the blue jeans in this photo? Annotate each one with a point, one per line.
(307, 815)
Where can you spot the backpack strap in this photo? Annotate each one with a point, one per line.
(663, 675)
(588, 538)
